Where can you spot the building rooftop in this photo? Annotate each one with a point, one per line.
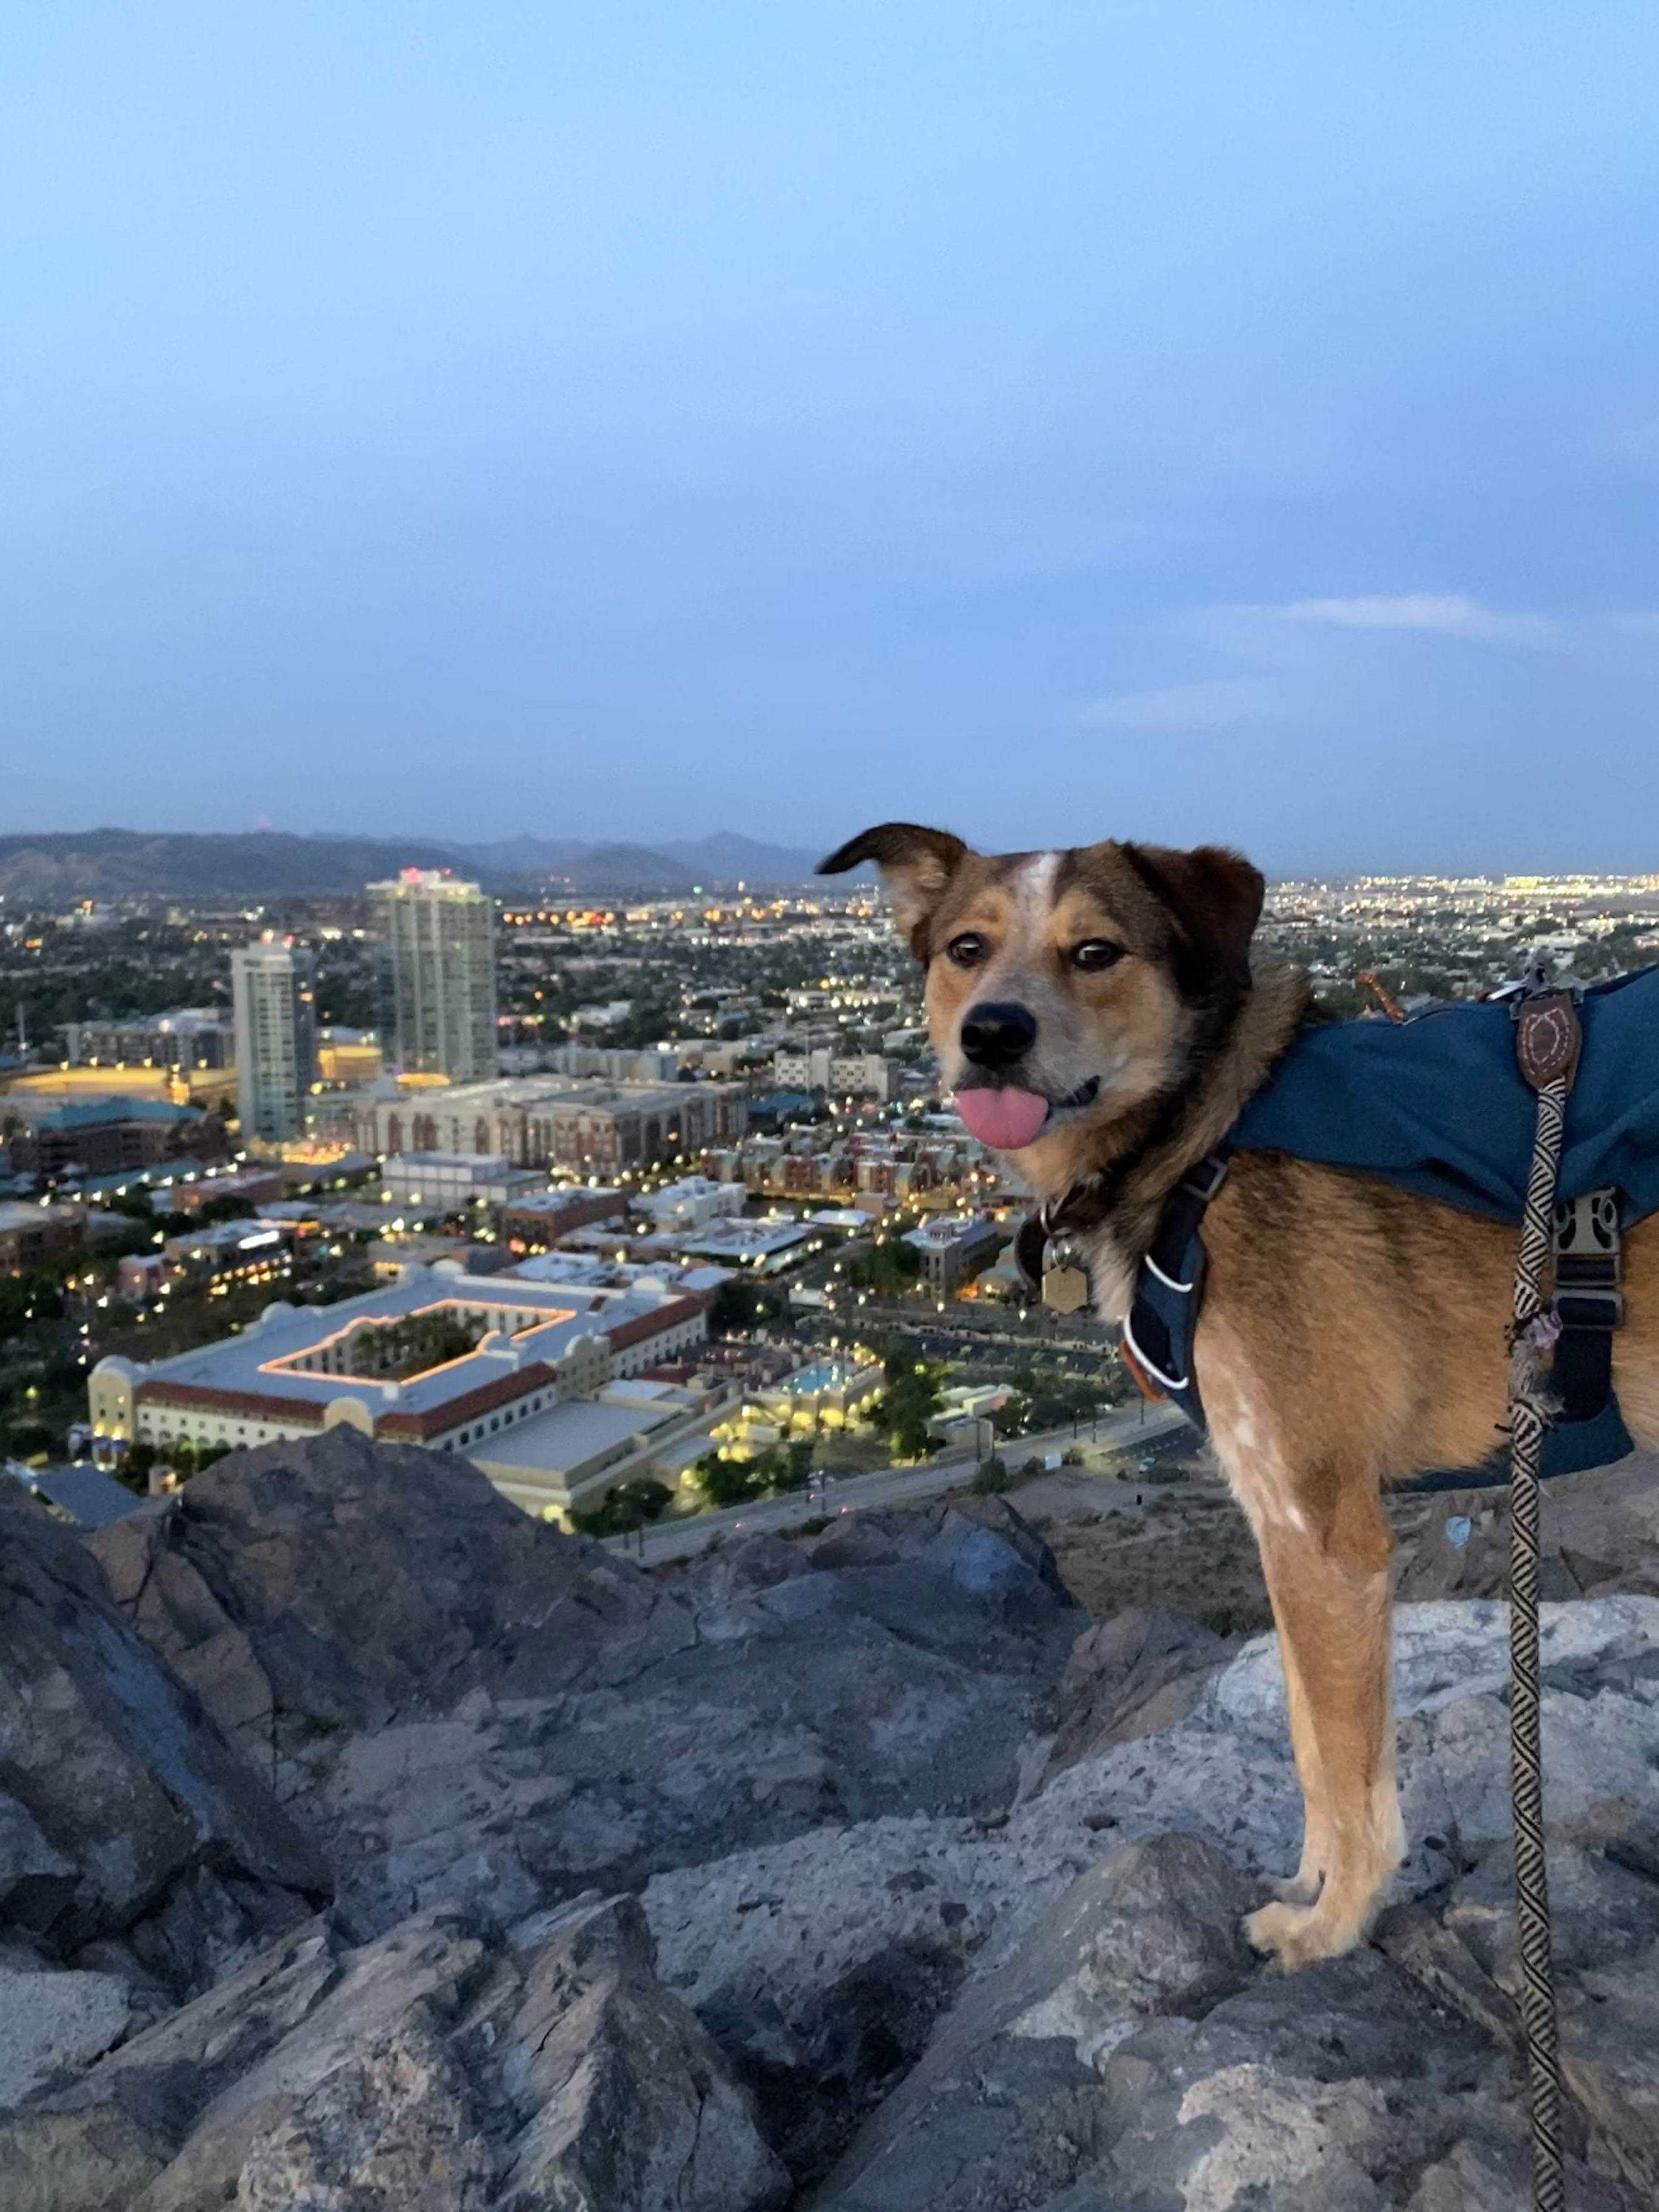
(560, 1200)
(947, 1229)
(743, 1241)
(591, 1271)
(571, 1433)
(487, 1165)
(91, 1499)
(297, 1353)
(244, 1235)
(115, 1106)
(28, 1213)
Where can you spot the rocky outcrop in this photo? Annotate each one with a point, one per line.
(860, 1873)
(779, 1949)
(1599, 1535)
(129, 1832)
(438, 2070)
(1135, 1673)
(307, 1589)
(470, 1707)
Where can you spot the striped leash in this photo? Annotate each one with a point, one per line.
(1547, 1043)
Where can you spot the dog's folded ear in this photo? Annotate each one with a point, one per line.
(1214, 896)
(915, 866)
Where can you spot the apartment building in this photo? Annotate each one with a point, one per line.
(437, 975)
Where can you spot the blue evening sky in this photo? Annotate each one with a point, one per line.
(1056, 420)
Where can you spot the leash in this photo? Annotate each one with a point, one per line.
(1547, 1042)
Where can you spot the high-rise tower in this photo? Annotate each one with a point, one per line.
(273, 991)
(437, 1013)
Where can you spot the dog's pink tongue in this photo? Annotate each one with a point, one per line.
(1005, 1119)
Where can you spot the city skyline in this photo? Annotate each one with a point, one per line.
(1195, 424)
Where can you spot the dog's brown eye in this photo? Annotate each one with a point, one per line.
(1096, 952)
(967, 949)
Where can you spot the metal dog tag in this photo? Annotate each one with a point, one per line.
(1064, 1288)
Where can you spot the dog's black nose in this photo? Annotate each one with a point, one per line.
(996, 1035)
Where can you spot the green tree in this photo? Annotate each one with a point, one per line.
(133, 1469)
(908, 1403)
(793, 1470)
(1011, 1416)
(624, 1508)
(738, 1305)
(780, 1467)
(889, 1266)
(227, 1208)
(730, 1481)
(31, 1298)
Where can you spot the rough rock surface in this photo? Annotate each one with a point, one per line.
(932, 1917)
(1598, 1535)
(437, 2069)
(125, 1819)
(1137, 1672)
(530, 1717)
(309, 1588)
(779, 1948)
(52, 2023)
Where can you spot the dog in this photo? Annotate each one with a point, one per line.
(1098, 1014)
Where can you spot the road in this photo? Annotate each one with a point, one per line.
(1122, 1429)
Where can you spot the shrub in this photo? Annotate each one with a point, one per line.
(1011, 1416)
(727, 1481)
(769, 1474)
(990, 1478)
(626, 1507)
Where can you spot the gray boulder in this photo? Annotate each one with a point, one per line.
(940, 1903)
(123, 1815)
(309, 1588)
(632, 2106)
(435, 2070)
(471, 1708)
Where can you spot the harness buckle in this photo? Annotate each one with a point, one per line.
(1207, 1177)
(1588, 1261)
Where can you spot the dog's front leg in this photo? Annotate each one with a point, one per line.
(1328, 1575)
(1303, 1885)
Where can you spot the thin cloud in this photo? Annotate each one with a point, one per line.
(1638, 625)
(1430, 614)
(1222, 703)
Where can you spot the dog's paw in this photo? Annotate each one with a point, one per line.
(1297, 1935)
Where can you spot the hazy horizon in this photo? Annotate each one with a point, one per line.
(1496, 870)
(1193, 423)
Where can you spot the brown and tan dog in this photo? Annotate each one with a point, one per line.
(1095, 1012)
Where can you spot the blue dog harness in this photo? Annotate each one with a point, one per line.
(1437, 1105)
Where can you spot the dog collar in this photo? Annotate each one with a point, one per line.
(1158, 1334)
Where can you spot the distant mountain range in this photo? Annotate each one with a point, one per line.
(58, 868)
(719, 861)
